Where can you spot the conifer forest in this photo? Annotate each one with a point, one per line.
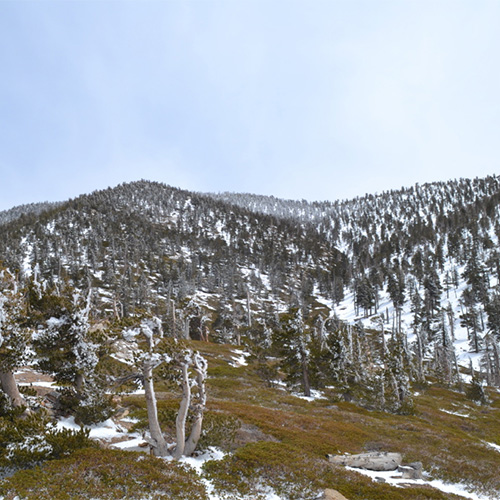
(160, 343)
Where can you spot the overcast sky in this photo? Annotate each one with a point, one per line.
(300, 99)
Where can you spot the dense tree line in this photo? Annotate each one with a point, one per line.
(211, 264)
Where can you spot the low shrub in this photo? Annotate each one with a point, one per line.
(256, 468)
(34, 438)
(107, 475)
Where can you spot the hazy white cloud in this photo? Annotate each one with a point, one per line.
(322, 100)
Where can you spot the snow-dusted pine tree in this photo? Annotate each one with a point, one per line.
(69, 351)
(292, 341)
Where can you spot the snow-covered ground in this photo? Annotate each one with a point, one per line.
(492, 445)
(395, 478)
(346, 311)
(116, 434)
(463, 415)
(105, 431)
(313, 397)
(240, 358)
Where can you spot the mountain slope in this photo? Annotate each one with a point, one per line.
(403, 253)
(144, 241)
(416, 252)
(369, 305)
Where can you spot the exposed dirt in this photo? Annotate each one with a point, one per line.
(38, 381)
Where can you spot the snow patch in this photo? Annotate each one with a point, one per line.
(492, 445)
(240, 359)
(106, 430)
(313, 397)
(464, 415)
(395, 478)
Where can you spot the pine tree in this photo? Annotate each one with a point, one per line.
(470, 318)
(259, 344)
(338, 365)
(365, 296)
(493, 313)
(70, 352)
(292, 342)
(476, 276)
(397, 376)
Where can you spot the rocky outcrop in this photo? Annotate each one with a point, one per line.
(411, 471)
(378, 461)
(249, 434)
(330, 494)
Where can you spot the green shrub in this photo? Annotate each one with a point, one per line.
(27, 390)
(34, 438)
(94, 408)
(255, 468)
(219, 430)
(5, 405)
(105, 474)
(475, 392)
(88, 409)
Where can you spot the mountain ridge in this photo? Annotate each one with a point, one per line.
(343, 327)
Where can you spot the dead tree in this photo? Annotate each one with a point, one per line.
(193, 371)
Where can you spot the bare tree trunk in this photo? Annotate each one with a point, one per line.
(79, 382)
(457, 374)
(115, 309)
(307, 385)
(420, 355)
(249, 314)
(496, 357)
(321, 331)
(305, 375)
(384, 346)
(183, 360)
(200, 368)
(451, 321)
(173, 316)
(475, 339)
(158, 441)
(180, 423)
(10, 388)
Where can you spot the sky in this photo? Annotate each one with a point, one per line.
(316, 100)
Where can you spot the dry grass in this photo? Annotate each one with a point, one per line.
(450, 445)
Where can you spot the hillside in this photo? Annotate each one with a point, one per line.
(329, 327)
(170, 243)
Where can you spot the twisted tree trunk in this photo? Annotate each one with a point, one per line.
(180, 423)
(200, 368)
(158, 442)
(10, 388)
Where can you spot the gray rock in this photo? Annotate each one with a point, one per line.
(378, 461)
(411, 471)
(330, 494)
